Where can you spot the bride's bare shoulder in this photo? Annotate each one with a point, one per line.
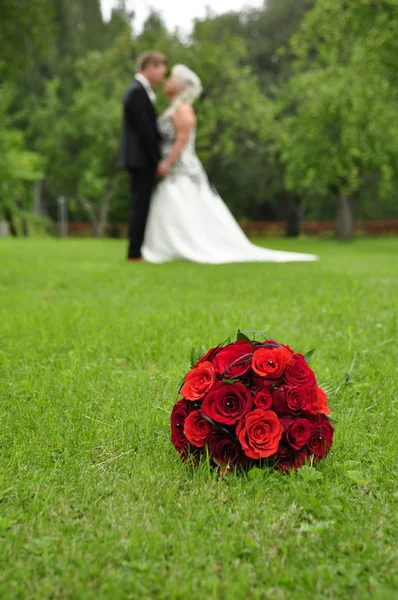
(185, 114)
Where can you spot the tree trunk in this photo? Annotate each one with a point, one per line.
(24, 220)
(37, 208)
(98, 221)
(25, 227)
(89, 210)
(294, 217)
(345, 218)
(11, 225)
(99, 228)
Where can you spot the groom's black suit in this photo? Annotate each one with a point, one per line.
(140, 154)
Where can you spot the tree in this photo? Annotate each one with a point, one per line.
(266, 33)
(340, 127)
(19, 168)
(119, 23)
(25, 31)
(82, 144)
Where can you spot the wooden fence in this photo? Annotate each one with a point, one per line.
(263, 229)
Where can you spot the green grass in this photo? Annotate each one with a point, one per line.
(95, 502)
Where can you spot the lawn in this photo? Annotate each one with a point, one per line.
(95, 503)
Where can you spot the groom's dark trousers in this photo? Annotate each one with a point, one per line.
(139, 153)
(142, 184)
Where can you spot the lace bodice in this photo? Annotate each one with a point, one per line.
(188, 164)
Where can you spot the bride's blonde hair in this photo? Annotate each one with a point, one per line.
(190, 84)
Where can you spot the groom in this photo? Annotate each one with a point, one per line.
(139, 147)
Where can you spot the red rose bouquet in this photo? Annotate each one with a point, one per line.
(251, 403)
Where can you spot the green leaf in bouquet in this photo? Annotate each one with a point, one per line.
(240, 336)
(193, 355)
(308, 355)
(255, 332)
(196, 355)
(201, 352)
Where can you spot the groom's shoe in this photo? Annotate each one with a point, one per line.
(134, 260)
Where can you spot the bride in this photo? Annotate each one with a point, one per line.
(187, 219)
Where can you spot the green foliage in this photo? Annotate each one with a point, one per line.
(83, 143)
(341, 109)
(265, 34)
(308, 355)
(19, 168)
(241, 336)
(339, 135)
(77, 29)
(95, 501)
(25, 29)
(236, 121)
(232, 110)
(196, 355)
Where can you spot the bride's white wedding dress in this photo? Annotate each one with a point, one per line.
(188, 220)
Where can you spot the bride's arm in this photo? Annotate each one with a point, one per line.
(184, 121)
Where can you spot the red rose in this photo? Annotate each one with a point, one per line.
(270, 362)
(291, 400)
(279, 401)
(287, 459)
(226, 402)
(270, 343)
(209, 355)
(259, 433)
(321, 438)
(178, 416)
(261, 383)
(297, 431)
(288, 349)
(198, 381)
(225, 451)
(319, 403)
(298, 372)
(234, 360)
(196, 429)
(263, 399)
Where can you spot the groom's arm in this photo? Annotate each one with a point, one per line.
(140, 120)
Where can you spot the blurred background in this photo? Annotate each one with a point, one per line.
(298, 122)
